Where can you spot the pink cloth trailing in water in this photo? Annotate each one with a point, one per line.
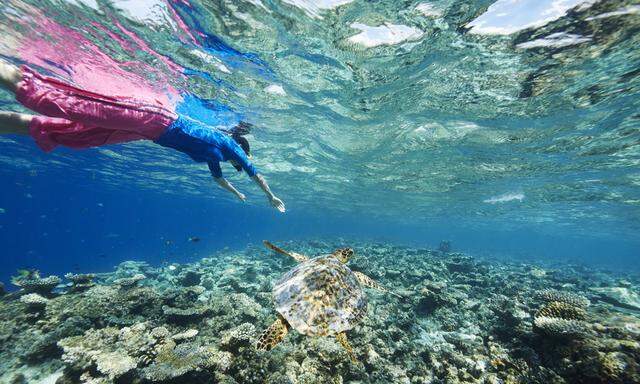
(81, 119)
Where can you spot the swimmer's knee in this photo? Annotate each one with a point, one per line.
(10, 75)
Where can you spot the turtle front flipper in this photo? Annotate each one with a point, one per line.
(342, 339)
(296, 256)
(273, 335)
(368, 282)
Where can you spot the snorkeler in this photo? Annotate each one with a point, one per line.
(78, 119)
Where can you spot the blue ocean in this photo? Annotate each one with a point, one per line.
(461, 182)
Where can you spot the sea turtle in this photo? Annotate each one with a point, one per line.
(319, 297)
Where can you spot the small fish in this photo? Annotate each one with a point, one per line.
(2, 210)
(194, 239)
(168, 242)
(100, 205)
(102, 256)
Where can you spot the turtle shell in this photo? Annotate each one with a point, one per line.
(320, 297)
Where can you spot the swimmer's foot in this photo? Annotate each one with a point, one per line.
(14, 123)
(10, 76)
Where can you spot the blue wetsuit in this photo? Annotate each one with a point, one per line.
(204, 144)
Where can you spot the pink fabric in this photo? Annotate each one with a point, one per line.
(80, 119)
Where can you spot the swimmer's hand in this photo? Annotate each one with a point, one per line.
(277, 204)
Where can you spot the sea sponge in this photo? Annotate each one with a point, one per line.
(557, 327)
(562, 310)
(574, 299)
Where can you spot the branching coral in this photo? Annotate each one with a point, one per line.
(175, 362)
(114, 352)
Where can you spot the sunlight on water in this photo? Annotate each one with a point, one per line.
(438, 106)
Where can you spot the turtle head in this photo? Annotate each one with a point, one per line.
(343, 254)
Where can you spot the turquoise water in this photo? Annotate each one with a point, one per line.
(443, 127)
(510, 129)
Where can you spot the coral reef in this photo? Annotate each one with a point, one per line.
(80, 282)
(460, 320)
(37, 284)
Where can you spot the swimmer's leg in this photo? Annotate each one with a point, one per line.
(14, 123)
(10, 76)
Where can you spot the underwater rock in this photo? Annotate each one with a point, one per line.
(445, 246)
(2, 290)
(189, 278)
(564, 297)
(80, 282)
(39, 285)
(461, 264)
(619, 296)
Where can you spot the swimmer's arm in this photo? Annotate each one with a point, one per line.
(229, 187)
(277, 203)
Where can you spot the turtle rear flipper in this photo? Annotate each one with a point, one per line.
(273, 335)
(368, 282)
(296, 256)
